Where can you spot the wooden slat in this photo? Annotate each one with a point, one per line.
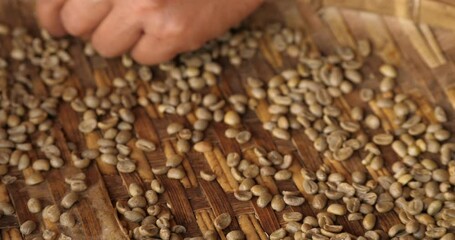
(338, 27)
(419, 42)
(434, 45)
(437, 14)
(399, 8)
(180, 205)
(424, 54)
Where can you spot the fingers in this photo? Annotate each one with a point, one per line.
(48, 13)
(117, 33)
(81, 17)
(152, 50)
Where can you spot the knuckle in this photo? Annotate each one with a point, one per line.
(73, 26)
(47, 13)
(104, 52)
(144, 7)
(143, 61)
(134, 55)
(140, 57)
(148, 58)
(174, 28)
(194, 45)
(169, 56)
(102, 49)
(41, 10)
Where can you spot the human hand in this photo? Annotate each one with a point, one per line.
(153, 30)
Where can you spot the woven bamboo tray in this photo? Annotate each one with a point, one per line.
(417, 36)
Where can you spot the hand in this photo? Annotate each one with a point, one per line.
(153, 30)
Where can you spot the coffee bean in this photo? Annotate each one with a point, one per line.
(222, 221)
(27, 227)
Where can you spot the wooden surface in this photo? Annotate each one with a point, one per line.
(424, 50)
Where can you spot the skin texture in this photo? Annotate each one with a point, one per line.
(153, 31)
